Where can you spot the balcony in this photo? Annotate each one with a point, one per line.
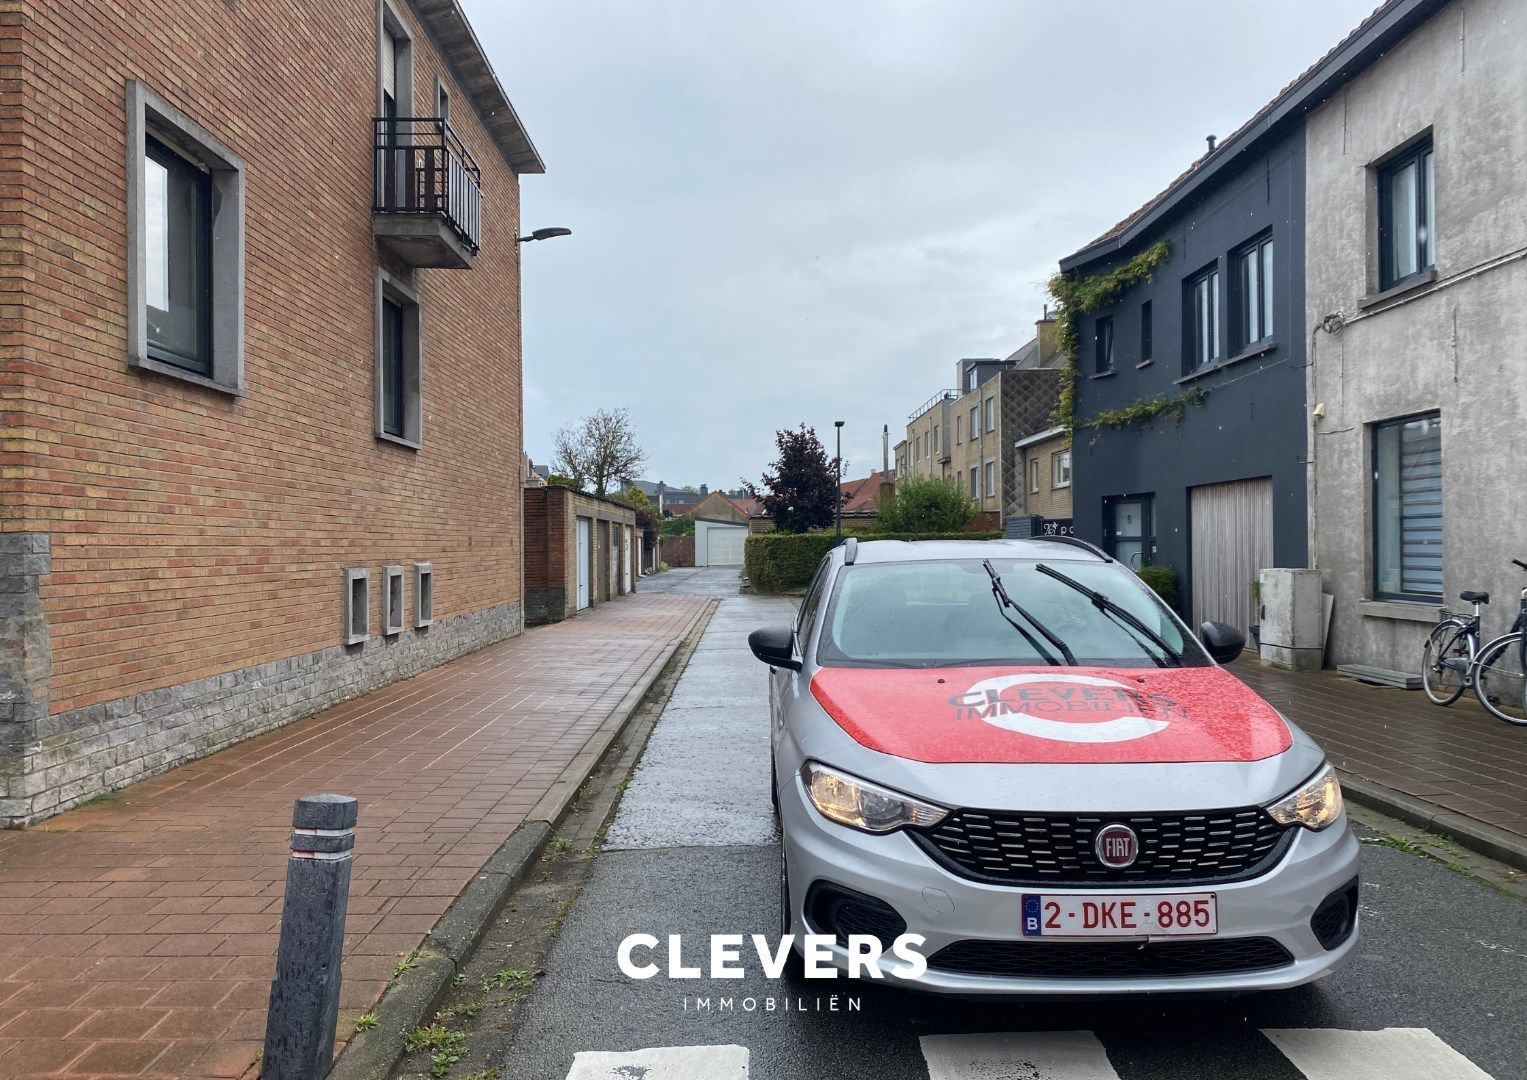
(427, 207)
(937, 399)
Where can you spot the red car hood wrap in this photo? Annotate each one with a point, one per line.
(1070, 716)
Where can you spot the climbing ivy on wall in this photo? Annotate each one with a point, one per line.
(1147, 409)
(1078, 296)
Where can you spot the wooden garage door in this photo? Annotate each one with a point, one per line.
(1232, 540)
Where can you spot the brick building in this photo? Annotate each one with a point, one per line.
(967, 433)
(259, 372)
(580, 550)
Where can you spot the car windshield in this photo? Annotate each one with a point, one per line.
(942, 613)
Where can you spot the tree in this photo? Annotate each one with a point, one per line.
(802, 490)
(599, 451)
(925, 504)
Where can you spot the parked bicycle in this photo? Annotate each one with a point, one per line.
(1454, 661)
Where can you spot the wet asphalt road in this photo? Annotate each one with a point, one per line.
(692, 851)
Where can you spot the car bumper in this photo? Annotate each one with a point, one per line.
(945, 909)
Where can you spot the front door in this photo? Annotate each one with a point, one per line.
(1231, 531)
(583, 563)
(1129, 531)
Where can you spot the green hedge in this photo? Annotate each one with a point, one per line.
(781, 562)
(1162, 581)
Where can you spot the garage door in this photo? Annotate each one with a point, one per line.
(1232, 540)
(724, 545)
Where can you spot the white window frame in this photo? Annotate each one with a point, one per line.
(991, 478)
(149, 115)
(357, 618)
(975, 484)
(1033, 476)
(1060, 469)
(991, 413)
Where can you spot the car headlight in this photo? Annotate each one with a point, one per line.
(862, 805)
(1314, 804)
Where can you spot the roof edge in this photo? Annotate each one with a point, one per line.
(1373, 37)
(458, 43)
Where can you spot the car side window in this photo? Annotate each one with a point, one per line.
(811, 603)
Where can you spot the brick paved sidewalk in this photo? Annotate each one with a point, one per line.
(137, 934)
(1460, 758)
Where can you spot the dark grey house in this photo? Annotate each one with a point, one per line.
(1219, 493)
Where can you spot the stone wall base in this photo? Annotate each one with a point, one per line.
(546, 605)
(51, 763)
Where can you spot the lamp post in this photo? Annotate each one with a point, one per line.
(544, 234)
(839, 425)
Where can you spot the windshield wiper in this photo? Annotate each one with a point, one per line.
(1004, 601)
(1120, 613)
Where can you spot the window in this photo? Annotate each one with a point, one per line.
(357, 605)
(1034, 476)
(1407, 508)
(1146, 344)
(392, 601)
(917, 447)
(975, 421)
(1102, 345)
(395, 95)
(185, 199)
(1254, 292)
(1407, 216)
(178, 224)
(1202, 311)
(1060, 469)
(397, 363)
(424, 594)
(442, 101)
(975, 480)
(957, 440)
(937, 445)
(991, 414)
(972, 377)
(991, 479)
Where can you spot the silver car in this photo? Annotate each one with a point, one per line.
(1016, 751)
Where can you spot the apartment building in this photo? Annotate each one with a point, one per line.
(259, 371)
(967, 433)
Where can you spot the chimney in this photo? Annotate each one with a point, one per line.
(1210, 140)
(704, 491)
(1049, 345)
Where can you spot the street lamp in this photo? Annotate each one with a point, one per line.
(839, 425)
(544, 234)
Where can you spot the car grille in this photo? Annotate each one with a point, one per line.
(1109, 959)
(1014, 848)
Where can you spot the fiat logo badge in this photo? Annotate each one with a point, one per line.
(1116, 846)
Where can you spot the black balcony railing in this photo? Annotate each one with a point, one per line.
(422, 168)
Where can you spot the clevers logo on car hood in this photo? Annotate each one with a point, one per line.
(1050, 715)
(1094, 710)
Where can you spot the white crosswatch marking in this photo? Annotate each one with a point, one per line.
(1390, 1054)
(663, 1063)
(1017, 1055)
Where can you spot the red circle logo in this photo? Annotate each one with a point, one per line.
(1117, 846)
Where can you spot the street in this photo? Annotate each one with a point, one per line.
(1437, 990)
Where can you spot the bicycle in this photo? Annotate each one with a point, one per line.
(1453, 661)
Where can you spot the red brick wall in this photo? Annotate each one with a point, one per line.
(194, 533)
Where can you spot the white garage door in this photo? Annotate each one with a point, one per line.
(724, 545)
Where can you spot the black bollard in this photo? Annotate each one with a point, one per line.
(304, 995)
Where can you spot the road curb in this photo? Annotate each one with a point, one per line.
(1477, 836)
(414, 995)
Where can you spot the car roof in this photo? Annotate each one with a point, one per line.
(885, 551)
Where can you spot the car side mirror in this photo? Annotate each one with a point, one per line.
(775, 646)
(1223, 642)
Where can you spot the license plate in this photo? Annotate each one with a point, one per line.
(1084, 915)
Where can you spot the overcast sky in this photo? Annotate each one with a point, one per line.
(791, 212)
